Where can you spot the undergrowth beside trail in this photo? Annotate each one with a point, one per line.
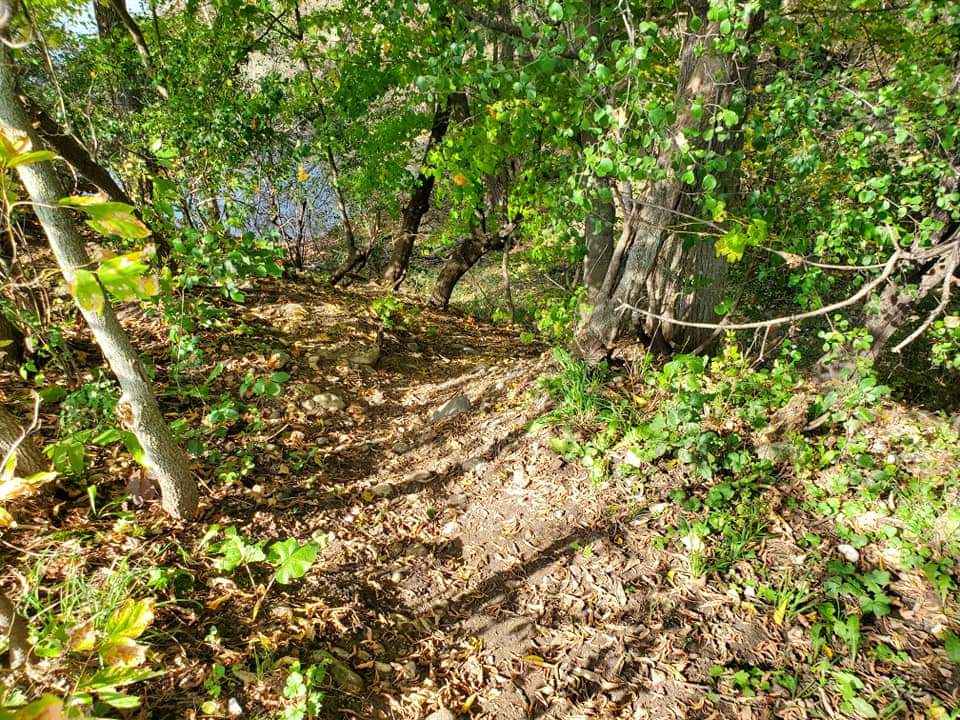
(830, 510)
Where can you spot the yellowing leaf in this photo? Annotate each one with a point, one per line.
(302, 175)
(460, 179)
(86, 289)
(82, 637)
(123, 652)
(780, 612)
(6, 519)
(130, 619)
(47, 707)
(107, 217)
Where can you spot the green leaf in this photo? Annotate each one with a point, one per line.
(555, 11)
(730, 118)
(29, 158)
(290, 559)
(604, 167)
(86, 289)
(952, 644)
(731, 245)
(709, 182)
(107, 217)
(862, 708)
(47, 707)
(131, 619)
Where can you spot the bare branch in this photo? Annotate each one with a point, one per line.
(888, 269)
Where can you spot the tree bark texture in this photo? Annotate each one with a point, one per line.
(658, 262)
(30, 460)
(12, 344)
(14, 628)
(419, 202)
(138, 407)
(466, 255)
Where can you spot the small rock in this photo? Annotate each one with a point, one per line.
(413, 347)
(421, 476)
(849, 553)
(458, 501)
(467, 350)
(329, 401)
(382, 490)
(471, 464)
(293, 311)
(279, 359)
(383, 668)
(313, 361)
(308, 390)
(400, 448)
(368, 357)
(233, 708)
(341, 673)
(778, 452)
(442, 714)
(450, 529)
(410, 669)
(452, 407)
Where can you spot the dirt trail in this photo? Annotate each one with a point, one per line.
(468, 567)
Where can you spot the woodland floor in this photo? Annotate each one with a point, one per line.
(465, 566)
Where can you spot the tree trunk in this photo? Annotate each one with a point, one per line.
(12, 344)
(14, 628)
(107, 18)
(120, 8)
(138, 406)
(659, 263)
(462, 259)
(67, 147)
(419, 201)
(30, 459)
(598, 236)
(901, 296)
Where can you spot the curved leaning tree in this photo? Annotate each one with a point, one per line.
(123, 277)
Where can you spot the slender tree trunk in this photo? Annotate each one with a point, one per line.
(67, 147)
(30, 459)
(136, 34)
(466, 255)
(419, 201)
(14, 628)
(138, 406)
(661, 263)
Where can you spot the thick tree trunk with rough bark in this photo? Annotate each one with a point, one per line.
(137, 407)
(30, 459)
(660, 263)
(419, 202)
(598, 237)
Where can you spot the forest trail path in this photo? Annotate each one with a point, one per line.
(468, 569)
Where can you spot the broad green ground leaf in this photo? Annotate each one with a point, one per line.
(237, 551)
(290, 559)
(952, 643)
